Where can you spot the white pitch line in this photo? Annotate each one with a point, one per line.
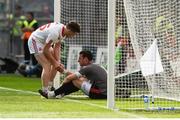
(16, 90)
(76, 101)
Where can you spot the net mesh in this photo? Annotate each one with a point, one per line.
(147, 21)
(138, 24)
(92, 17)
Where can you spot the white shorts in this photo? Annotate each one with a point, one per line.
(34, 45)
(85, 87)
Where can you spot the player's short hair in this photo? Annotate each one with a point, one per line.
(87, 53)
(73, 26)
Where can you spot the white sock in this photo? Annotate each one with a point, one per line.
(50, 84)
(45, 89)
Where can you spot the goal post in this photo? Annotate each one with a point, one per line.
(57, 15)
(111, 55)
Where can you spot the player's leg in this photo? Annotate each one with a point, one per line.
(95, 93)
(83, 84)
(45, 76)
(73, 86)
(65, 89)
(88, 89)
(36, 48)
(53, 71)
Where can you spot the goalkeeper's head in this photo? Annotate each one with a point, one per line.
(72, 28)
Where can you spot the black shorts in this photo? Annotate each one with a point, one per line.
(95, 93)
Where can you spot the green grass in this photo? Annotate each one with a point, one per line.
(20, 104)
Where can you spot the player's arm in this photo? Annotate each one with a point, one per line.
(74, 76)
(70, 77)
(57, 49)
(81, 73)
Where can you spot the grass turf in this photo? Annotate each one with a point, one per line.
(16, 102)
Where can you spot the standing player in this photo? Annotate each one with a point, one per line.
(45, 44)
(91, 79)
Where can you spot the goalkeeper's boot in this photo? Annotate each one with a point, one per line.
(44, 94)
(47, 95)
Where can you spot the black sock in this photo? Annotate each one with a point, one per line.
(66, 89)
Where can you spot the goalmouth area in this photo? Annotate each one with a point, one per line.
(136, 41)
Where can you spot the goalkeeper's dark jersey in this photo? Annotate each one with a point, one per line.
(97, 76)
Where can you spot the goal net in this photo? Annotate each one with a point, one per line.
(92, 17)
(138, 24)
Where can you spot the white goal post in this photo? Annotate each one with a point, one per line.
(57, 15)
(111, 55)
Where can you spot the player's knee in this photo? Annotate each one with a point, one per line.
(77, 83)
(47, 67)
(85, 87)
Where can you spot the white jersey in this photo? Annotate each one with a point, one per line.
(51, 31)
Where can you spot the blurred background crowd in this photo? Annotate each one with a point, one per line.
(18, 18)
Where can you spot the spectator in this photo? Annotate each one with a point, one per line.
(29, 25)
(17, 22)
(122, 42)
